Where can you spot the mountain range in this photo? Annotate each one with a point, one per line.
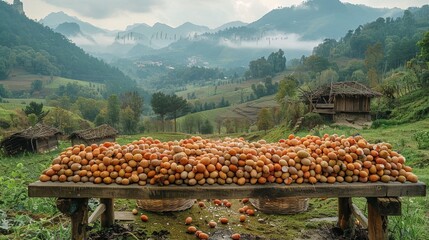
(296, 30)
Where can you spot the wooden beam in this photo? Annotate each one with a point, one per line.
(97, 213)
(229, 191)
(108, 216)
(357, 213)
(377, 224)
(387, 206)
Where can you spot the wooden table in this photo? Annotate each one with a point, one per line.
(382, 198)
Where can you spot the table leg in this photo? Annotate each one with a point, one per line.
(345, 216)
(377, 223)
(108, 216)
(77, 210)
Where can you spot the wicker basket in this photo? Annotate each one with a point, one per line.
(284, 205)
(165, 205)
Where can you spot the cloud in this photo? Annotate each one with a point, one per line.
(99, 9)
(285, 41)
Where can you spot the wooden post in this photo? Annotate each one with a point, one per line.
(108, 216)
(377, 221)
(77, 209)
(345, 216)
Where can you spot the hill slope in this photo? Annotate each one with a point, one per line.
(25, 43)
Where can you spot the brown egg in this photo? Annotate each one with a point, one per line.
(223, 220)
(144, 218)
(212, 224)
(135, 211)
(235, 236)
(191, 229)
(188, 220)
(250, 212)
(242, 218)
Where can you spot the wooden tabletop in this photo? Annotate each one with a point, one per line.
(230, 191)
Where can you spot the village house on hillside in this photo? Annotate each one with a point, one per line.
(97, 135)
(342, 101)
(39, 138)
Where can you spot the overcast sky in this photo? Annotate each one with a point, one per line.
(117, 14)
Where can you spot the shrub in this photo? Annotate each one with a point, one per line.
(311, 120)
(422, 138)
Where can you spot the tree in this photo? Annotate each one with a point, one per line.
(277, 60)
(316, 63)
(36, 86)
(206, 127)
(265, 120)
(135, 102)
(177, 106)
(3, 91)
(128, 121)
(160, 105)
(424, 47)
(113, 110)
(287, 89)
(37, 109)
(373, 63)
(89, 108)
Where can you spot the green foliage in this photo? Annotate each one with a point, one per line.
(160, 104)
(6, 62)
(316, 63)
(287, 89)
(65, 121)
(132, 100)
(171, 105)
(113, 110)
(265, 120)
(36, 86)
(311, 120)
(206, 127)
(128, 121)
(268, 88)
(422, 138)
(424, 47)
(36, 109)
(3, 91)
(262, 67)
(38, 49)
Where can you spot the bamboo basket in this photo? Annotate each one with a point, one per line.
(165, 205)
(283, 205)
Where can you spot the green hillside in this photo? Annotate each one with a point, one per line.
(37, 49)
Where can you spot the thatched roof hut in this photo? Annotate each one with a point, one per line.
(39, 138)
(97, 135)
(342, 100)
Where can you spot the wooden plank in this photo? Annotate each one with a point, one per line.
(377, 224)
(230, 191)
(323, 111)
(108, 216)
(387, 206)
(325, 105)
(360, 216)
(125, 216)
(97, 213)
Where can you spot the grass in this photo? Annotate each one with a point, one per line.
(21, 80)
(231, 92)
(22, 217)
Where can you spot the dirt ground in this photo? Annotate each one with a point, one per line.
(128, 232)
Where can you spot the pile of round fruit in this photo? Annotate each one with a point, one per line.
(196, 160)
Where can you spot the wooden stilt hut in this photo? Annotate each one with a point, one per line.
(349, 101)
